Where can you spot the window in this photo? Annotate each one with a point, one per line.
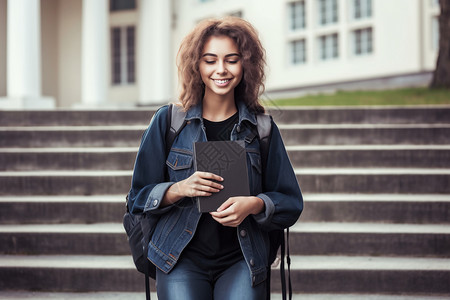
(117, 5)
(328, 12)
(362, 9)
(297, 15)
(238, 14)
(123, 55)
(362, 41)
(435, 33)
(328, 45)
(298, 52)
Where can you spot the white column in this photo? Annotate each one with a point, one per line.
(94, 54)
(155, 60)
(24, 57)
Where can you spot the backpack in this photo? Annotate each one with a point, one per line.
(139, 228)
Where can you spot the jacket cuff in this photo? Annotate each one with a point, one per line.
(156, 196)
(266, 215)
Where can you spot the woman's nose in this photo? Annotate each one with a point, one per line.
(221, 68)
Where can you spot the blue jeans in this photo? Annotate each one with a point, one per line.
(188, 282)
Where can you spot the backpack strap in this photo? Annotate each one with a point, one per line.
(175, 123)
(264, 126)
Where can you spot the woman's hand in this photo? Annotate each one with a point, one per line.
(198, 184)
(233, 211)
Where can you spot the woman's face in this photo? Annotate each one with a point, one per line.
(220, 66)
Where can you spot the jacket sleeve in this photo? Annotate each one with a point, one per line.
(282, 196)
(148, 185)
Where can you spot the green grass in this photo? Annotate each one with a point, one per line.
(410, 96)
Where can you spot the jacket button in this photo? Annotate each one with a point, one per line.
(238, 128)
(155, 202)
(252, 262)
(243, 232)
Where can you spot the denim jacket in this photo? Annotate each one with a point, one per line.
(177, 223)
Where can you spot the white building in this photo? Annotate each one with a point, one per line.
(97, 53)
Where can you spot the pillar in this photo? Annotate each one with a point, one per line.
(155, 60)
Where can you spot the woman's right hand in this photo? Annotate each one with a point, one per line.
(198, 184)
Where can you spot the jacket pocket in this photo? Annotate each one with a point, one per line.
(179, 163)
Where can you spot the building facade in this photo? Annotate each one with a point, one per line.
(118, 53)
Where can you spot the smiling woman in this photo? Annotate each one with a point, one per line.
(226, 253)
(249, 53)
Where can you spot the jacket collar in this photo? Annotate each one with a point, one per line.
(195, 112)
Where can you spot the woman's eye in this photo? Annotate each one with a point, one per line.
(210, 62)
(232, 61)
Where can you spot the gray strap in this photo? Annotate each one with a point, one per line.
(177, 119)
(264, 125)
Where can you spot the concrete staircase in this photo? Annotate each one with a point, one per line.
(376, 183)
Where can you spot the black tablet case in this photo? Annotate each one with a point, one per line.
(228, 160)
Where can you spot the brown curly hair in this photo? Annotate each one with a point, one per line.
(253, 61)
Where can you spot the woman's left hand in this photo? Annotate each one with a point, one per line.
(233, 211)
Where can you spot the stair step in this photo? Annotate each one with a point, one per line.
(141, 295)
(294, 134)
(65, 182)
(390, 208)
(370, 239)
(365, 134)
(303, 115)
(354, 156)
(76, 117)
(116, 158)
(305, 239)
(62, 239)
(313, 180)
(360, 115)
(61, 209)
(29, 159)
(374, 180)
(342, 274)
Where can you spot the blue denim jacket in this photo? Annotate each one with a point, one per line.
(177, 223)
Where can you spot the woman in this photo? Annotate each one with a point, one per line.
(222, 254)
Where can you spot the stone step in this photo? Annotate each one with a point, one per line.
(28, 159)
(305, 239)
(374, 180)
(289, 115)
(356, 156)
(115, 158)
(20, 295)
(62, 209)
(342, 274)
(365, 134)
(353, 208)
(372, 239)
(312, 180)
(294, 134)
(387, 208)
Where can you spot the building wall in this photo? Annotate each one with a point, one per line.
(3, 10)
(404, 44)
(125, 93)
(69, 54)
(50, 49)
(401, 39)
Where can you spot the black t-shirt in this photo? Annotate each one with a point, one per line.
(215, 247)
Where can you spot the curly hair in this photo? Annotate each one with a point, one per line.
(253, 61)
